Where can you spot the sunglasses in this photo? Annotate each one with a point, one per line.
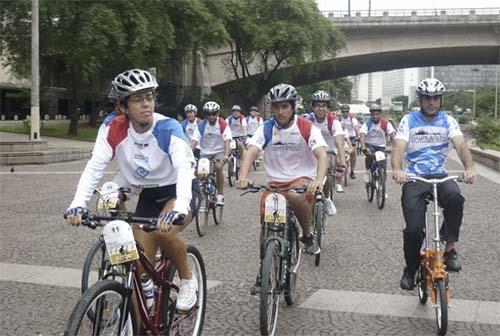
(212, 113)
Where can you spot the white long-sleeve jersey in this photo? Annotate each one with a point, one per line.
(158, 157)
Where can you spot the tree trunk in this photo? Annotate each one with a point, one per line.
(74, 113)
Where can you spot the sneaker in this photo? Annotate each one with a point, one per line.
(408, 279)
(311, 244)
(187, 293)
(352, 174)
(451, 261)
(220, 200)
(255, 290)
(366, 177)
(339, 188)
(330, 207)
(386, 195)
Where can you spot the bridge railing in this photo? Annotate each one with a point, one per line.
(413, 12)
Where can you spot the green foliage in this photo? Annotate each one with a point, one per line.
(487, 132)
(463, 120)
(85, 132)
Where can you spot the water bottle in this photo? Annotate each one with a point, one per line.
(148, 289)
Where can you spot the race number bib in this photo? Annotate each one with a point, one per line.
(109, 199)
(120, 242)
(379, 156)
(203, 166)
(275, 209)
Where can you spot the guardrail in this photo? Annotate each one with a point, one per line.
(413, 12)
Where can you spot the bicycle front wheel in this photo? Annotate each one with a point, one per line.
(96, 262)
(421, 285)
(230, 170)
(187, 322)
(269, 289)
(201, 218)
(105, 300)
(381, 188)
(218, 213)
(441, 307)
(319, 218)
(292, 260)
(370, 190)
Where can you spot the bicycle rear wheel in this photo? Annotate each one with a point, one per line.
(218, 213)
(231, 164)
(441, 307)
(292, 260)
(201, 218)
(105, 299)
(269, 290)
(421, 285)
(381, 188)
(189, 322)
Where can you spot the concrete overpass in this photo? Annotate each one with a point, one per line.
(385, 42)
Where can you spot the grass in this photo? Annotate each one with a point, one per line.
(85, 132)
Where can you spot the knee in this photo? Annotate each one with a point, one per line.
(454, 200)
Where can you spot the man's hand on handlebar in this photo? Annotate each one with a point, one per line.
(313, 186)
(243, 183)
(74, 215)
(399, 176)
(167, 219)
(469, 176)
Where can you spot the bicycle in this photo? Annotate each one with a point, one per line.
(280, 255)
(377, 178)
(208, 202)
(233, 164)
(109, 301)
(432, 278)
(319, 220)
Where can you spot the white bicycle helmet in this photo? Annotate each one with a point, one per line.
(282, 92)
(375, 107)
(210, 107)
(190, 108)
(132, 81)
(236, 108)
(320, 96)
(430, 87)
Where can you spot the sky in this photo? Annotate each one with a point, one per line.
(325, 5)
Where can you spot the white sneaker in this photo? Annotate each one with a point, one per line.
(220, 200)
(366, 177)
(187, 293)
(386, 196)
(339, 188)
(330, 207)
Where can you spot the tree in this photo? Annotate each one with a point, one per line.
(339, 89)
(269, 35)
(89, 41)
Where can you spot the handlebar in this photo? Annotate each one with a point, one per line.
(94, 220)
(254, 188)
(413, 178)
(331, 152)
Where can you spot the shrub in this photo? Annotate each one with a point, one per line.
(487, 133)
(463, 120)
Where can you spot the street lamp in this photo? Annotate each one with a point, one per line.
(474, 94)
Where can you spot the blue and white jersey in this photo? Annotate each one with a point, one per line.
(427, 141)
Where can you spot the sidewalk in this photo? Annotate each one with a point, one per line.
(56, 150)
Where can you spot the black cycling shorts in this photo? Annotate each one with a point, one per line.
(152, 200)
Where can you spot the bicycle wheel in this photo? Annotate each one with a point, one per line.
(381, 188)
(95, 264)
(230, 170)
(218, 213)
(201, 218)
(292, 260)
(319, 218)
(269, 289)
(421, 285)
(190, 322)
(346, 172)
(105, 299)
(370, 189)
(441, 307)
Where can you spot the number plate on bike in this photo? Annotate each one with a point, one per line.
(379, 156)
(120, 242)
(109, 199)
(275, 209)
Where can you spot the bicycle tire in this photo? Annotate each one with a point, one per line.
(441, 307)
(319, 217)
(201, 218)
(218, 213)
(370, 190)
(230, 170)
(78, 320)
(381, 188)
(292, 259)
(345, 177)
(169, 314)
(269, 289)
(97, 253)
(421, 285)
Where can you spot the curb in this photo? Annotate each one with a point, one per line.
(43, 157)
(488, 157)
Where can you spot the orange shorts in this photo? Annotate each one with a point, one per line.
(300, 181)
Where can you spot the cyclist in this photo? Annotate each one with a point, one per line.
(190, 124)
(238, 124)
(373, 137)
(423, 136)
(152, 154)
(351, 126)
(295, 154)
(214, 138)
(254, 120)
(332, 132)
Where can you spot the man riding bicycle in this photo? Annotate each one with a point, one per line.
(332, 132)
(238, 124)
(190, 124)
(254, 120)
(152, 154)
(373, 137)
(295, 154)
(351, 126)
(424, 136)
(214, 138)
